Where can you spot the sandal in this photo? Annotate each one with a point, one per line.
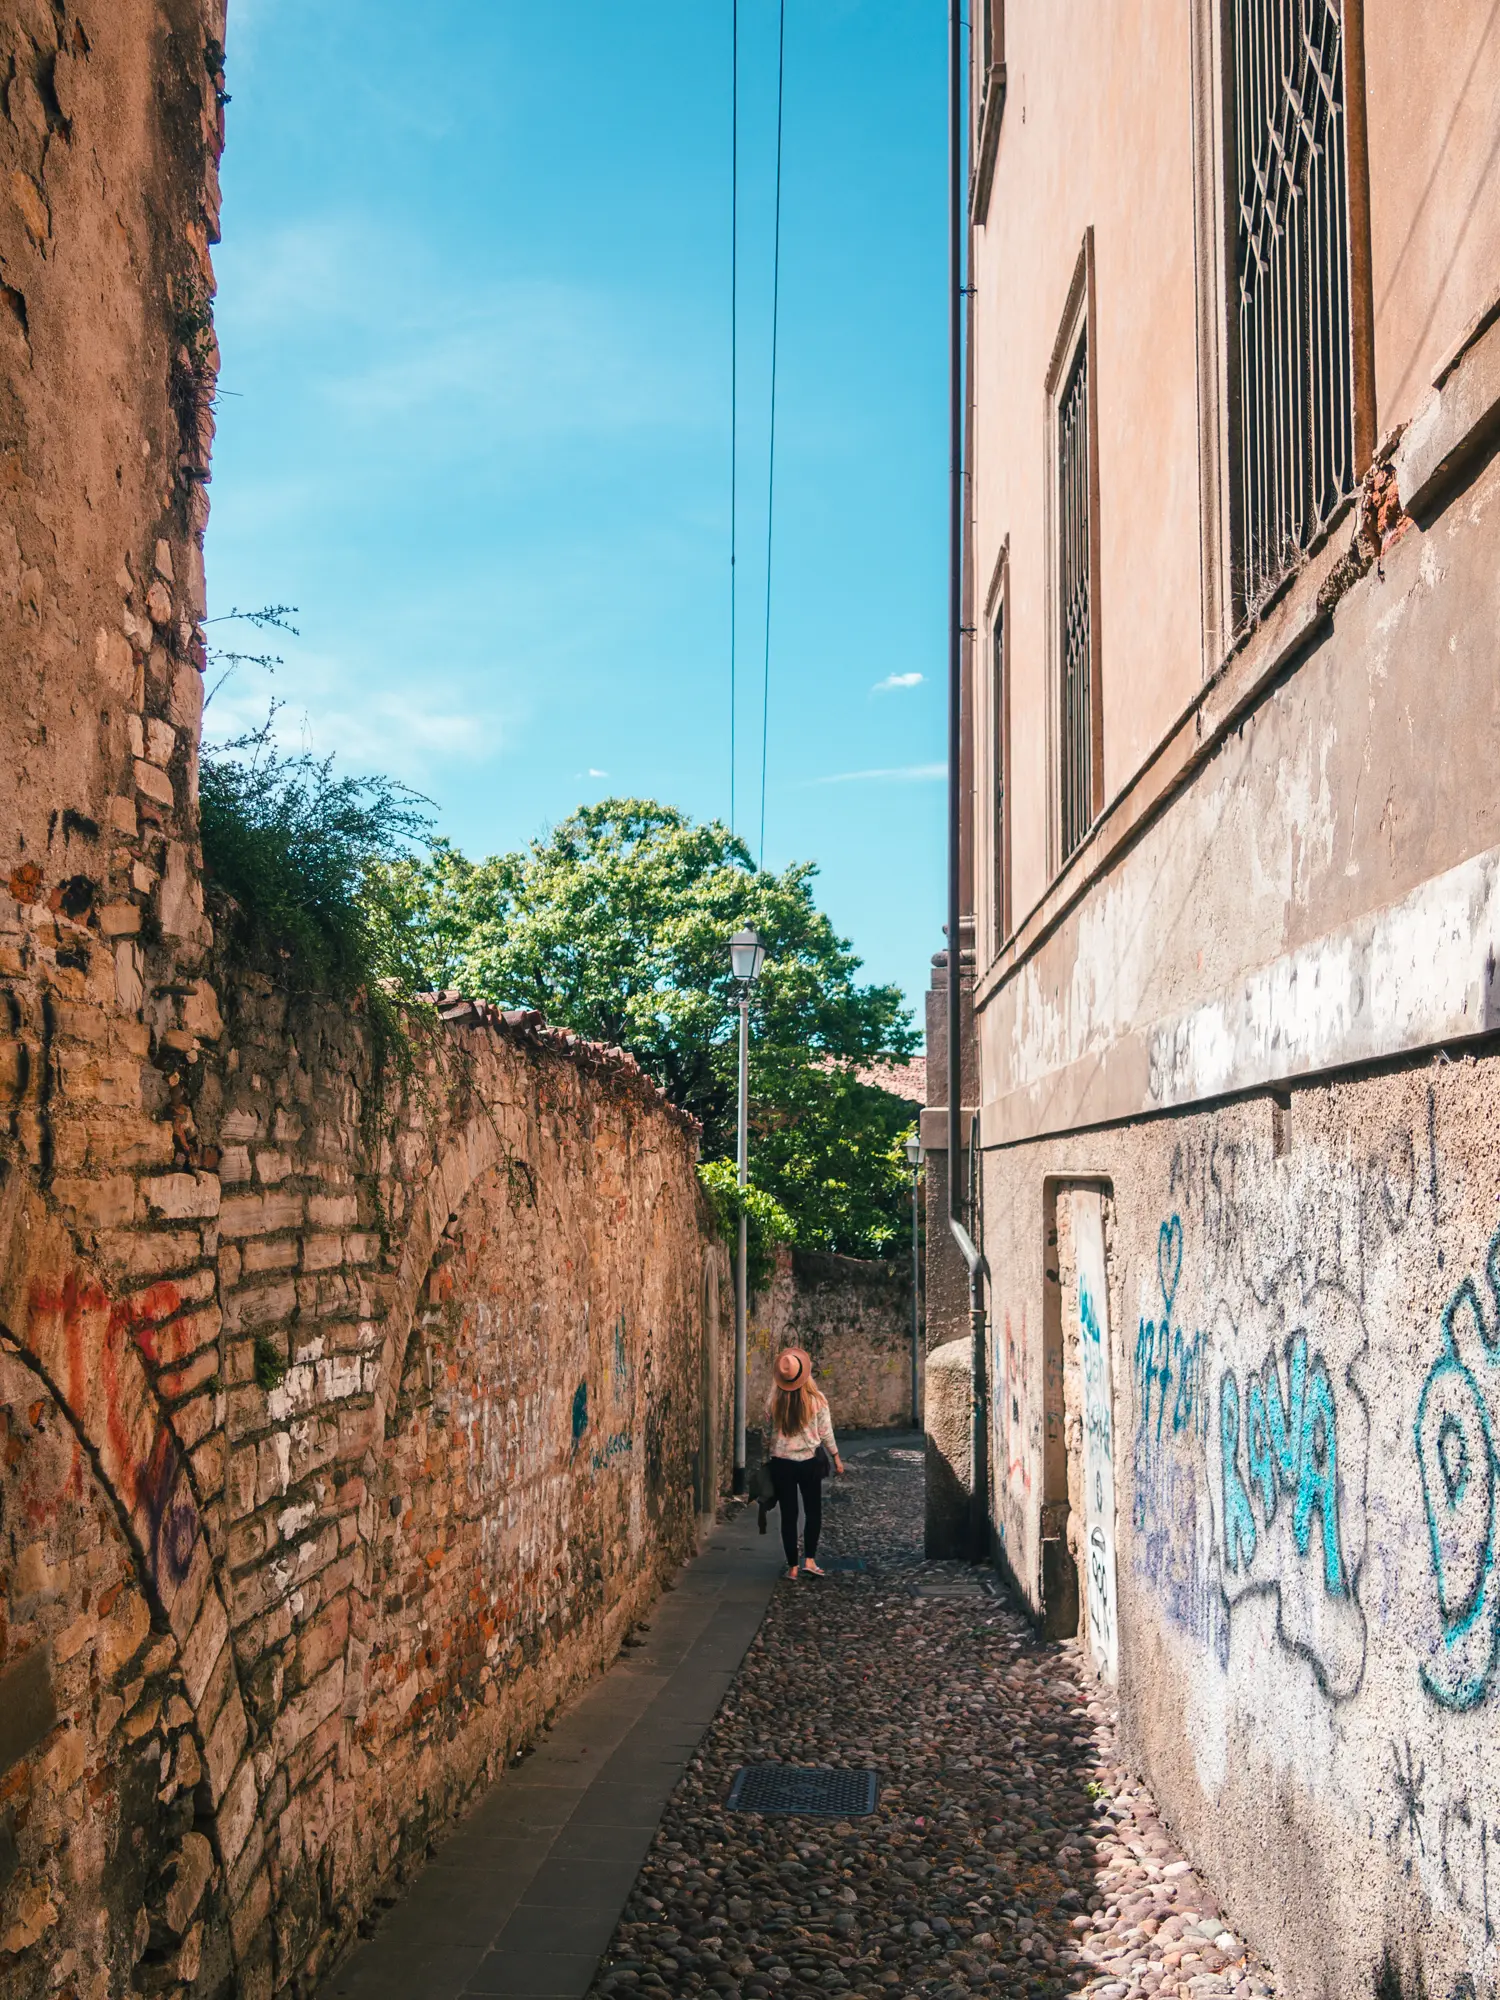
(792, 1573)
(810, 1568)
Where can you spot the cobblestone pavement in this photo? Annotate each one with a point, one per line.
(1010, 1854)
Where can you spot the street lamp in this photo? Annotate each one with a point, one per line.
(914, 1161)
(746, 956)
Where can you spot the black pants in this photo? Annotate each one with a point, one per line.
(793, 1476)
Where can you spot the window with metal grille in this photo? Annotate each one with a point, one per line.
(1075, 609)
(1293, 407)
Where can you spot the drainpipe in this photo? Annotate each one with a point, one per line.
(972, 1255)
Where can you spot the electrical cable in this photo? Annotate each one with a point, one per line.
(765, 710)
(734, 367)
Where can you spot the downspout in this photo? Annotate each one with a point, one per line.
(972, 1256)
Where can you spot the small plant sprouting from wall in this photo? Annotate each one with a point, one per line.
(270, 1363)
(291, 853)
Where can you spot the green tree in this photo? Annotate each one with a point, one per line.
(616, 924)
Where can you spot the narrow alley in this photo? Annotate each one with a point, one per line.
(1008, 1851)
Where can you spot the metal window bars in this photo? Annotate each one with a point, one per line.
(1294, 407)
(1074, 601)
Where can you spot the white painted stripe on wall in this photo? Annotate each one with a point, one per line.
(1412, 975)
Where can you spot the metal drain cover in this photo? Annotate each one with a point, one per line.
(794, 1788)
(957, 1589)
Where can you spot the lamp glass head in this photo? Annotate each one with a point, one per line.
(914, 1150)
(746, 954)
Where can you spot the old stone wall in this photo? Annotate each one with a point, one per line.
(355, 1395)
(1302, 1314)
(334, 1467)
(853, 1316)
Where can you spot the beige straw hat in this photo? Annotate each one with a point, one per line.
(793, 1369)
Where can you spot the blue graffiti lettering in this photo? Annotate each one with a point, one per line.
(1318, 1477)
(1290, 1447)
(1239, 1521)
(1459, 1463)
(614, 1446)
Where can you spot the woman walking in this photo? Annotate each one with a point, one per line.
(802, 1450)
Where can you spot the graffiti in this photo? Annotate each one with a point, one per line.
(1251, 1452)
(1012, 1443)
(1173, 1547)
(102, 1386)
(1288, 1491)
(1456, 1439)
(1169, 1361)
(616, 1445)
(1441, 1834)
(1411, 1777)
(1098, 1429)
(1292, 1451)
(169, 1510)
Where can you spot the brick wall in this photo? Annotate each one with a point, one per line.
(351, 1407)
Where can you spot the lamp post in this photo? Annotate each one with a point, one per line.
(914, 1160)
(746, 956)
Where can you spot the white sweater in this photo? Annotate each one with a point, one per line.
(802, 1444)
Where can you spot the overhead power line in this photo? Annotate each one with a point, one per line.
(734, 368)
(765, 710)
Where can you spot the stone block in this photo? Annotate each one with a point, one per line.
(260, 1214)
(176, 1196)
(332, 1211)
(278, 1253)
(119, 920)
(106, 1203)
(237, 1811)
(252, 1306)
(221, 1752)
(122, 1635)
(152, 1253)
(250, 1914)
(28, 1709)
(153, 784)
(192, 1421)
(203, 1646)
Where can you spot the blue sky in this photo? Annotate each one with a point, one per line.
(474, 314)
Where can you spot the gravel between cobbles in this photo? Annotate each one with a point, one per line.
(1010, 1853)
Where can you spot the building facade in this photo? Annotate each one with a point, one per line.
(1232, 718)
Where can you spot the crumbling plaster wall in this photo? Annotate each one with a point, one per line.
(853, 1316)
(350, 1408)
(1304, 1312)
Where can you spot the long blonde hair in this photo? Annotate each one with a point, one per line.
(792, 1410)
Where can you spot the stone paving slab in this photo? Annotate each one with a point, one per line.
(523, 1896)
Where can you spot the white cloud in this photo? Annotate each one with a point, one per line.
(897, 774)
(444, 363)
(597, 774)
(385, 729)
(893, 681)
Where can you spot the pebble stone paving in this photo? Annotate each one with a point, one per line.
(1010, 1853)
